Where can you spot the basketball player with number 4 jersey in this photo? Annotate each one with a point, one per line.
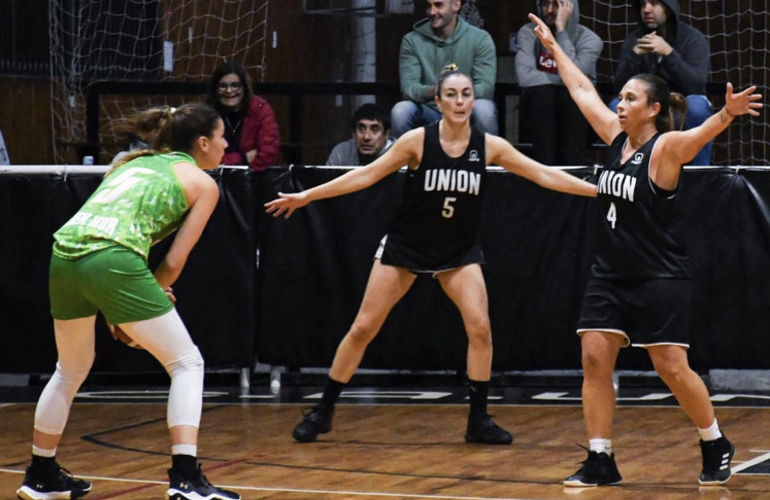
(639, 292)
(434, 231)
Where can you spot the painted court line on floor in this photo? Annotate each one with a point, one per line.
(754, 461)
(293, 490)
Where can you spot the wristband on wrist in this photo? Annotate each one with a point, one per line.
(728, 113)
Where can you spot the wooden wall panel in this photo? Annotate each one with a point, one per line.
(316, 48)
(26, 119)
(199, 30)
(307, 49)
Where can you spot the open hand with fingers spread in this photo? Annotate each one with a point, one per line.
(742, 103)
(286, 203)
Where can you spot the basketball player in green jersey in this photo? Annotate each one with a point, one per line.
(99, 263)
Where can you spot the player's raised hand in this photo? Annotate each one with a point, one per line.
(543, 32)
(742, 103)
(287, 203)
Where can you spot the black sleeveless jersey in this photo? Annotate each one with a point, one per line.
(635, 235)
(439, 215)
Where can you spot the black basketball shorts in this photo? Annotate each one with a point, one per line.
(393, 252)
(645, 312)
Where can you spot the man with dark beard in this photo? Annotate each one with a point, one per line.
(558, 131)
(664, 46)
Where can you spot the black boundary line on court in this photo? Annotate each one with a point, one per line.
(93, 439)
(630, 397)
(520, 396)
(624, 485)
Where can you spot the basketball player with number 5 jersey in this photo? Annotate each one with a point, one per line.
(434, 231)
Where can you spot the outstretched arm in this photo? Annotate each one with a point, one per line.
(583, 92)
(677, 148)
(403, 152)
(500, 152)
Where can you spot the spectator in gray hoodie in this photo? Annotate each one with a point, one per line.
(664, 46)
(444, 38)
(557, 128)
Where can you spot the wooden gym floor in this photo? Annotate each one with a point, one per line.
(391, 444)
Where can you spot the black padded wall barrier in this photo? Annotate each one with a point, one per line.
(538, 255)
(313, 270)
(215, 293)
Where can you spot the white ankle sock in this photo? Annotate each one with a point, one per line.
(40, 452)
(710, 433)
(600, 445)
(184, 449)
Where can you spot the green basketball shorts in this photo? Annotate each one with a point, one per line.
(115, 281)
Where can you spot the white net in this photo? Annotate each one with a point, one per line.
(141, 40)
(737, 31)
(113, 40)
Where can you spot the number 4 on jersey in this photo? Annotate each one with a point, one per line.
(612, 215)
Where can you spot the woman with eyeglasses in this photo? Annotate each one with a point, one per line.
(250, 127)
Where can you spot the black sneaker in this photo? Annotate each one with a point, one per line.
(51, 484)
(717, 455)
(196, 487)
(318, 421)
(482, 429)
(599, 469)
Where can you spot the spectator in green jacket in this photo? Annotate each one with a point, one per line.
(439, 40)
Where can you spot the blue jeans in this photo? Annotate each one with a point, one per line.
(408, 115)
(698, 111)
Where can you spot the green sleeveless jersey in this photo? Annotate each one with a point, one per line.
(141, 202)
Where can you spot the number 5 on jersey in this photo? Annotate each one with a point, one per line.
(448, 211)
(122, 183)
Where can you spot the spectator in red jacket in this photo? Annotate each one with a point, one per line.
(250, 127)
